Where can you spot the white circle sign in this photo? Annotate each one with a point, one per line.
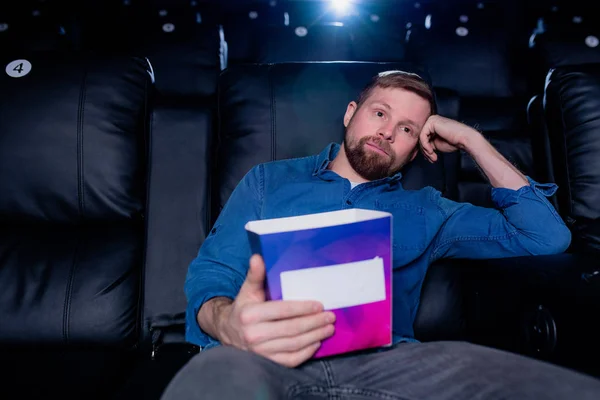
(163, 13)
(577, 19)
(301, 31)
(168, 27)
(3, 27)
(18, 68)
(592, 41)
(464, 19)
(462, 31)
(253, 15)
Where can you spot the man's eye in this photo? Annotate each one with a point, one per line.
(406, 129)
(379, 114)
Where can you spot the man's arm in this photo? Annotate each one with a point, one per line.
(211, 314)
(221, 265)
(523, 222)
(499, 172)
(446, 135)
(225, 291)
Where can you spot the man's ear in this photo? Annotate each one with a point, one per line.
(350, 110)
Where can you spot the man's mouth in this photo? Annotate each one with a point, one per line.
(377, 148)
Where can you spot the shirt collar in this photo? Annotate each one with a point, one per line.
(328, 154)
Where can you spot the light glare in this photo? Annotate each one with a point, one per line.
(340, 5)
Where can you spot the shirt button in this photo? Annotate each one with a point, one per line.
(349, 202)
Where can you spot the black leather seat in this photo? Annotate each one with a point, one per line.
(73, 173)
(550, 311)
(571, 115)
(104, 180)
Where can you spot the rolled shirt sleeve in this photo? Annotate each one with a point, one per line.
(523, 222)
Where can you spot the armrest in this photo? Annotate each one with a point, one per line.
(443, 304)
(542, 306)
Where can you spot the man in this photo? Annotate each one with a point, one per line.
(261, 349)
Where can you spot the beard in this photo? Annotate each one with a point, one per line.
(369, 164)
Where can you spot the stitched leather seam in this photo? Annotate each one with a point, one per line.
(148, 130)
(565, 151)
(68, 295)
(80, 119)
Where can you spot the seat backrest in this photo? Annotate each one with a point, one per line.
(279, 111)
(572, 118)
(73, 145)
(73, 139)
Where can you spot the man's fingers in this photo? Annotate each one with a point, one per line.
(252, 289)
(293, 327)
(279, 309)
(428, 149)
(425, 139)
(294, 343)
(296, 358)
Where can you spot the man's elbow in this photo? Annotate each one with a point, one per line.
(554, 240)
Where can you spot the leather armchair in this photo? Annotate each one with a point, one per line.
(545, 306)
(512, 304)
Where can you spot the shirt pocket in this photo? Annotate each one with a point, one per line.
(409, 224)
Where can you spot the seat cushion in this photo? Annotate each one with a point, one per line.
(70, 286)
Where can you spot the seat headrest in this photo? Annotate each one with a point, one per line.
(279, 111)
(72, 138)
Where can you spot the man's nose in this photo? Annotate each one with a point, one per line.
(386, 132)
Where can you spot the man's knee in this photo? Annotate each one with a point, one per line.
(221, 358)
(210, 372)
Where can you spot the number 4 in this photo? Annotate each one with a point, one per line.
(18, 68)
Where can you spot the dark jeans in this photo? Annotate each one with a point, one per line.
(437, 370)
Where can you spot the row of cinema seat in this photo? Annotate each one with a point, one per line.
(491, 54)
(113, 170)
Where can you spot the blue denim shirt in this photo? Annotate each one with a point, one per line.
(427, 227)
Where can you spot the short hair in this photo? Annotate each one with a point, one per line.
(400, 80)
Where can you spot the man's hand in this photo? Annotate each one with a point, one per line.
(445, 135)
(287, 332)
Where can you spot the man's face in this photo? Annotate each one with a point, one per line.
(383, 134)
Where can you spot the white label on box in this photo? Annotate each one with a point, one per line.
(337, 286)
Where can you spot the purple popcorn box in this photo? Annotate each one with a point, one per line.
(342, 259)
